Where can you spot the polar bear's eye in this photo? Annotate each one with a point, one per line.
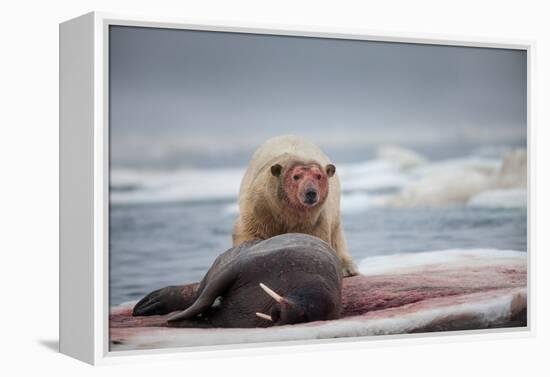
(296, 177)
(318, 176)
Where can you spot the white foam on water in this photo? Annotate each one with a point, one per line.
(510, 198)
(135, 187)
(231, 209)
(458, 181)
(483, 165)
(371, 175)
(360, 202)
(172, 186)
(405, 263)
(405, 158)
(441, 188)
(513, 171)
(417, 181)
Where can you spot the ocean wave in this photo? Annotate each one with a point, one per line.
(231, 209)
(397, 177)
(372, 175)
(174, 186)
(187, 185)
(458, 181)
(442, 187)
(405, 263)
(359, 202)
(403, 157)
(510, 198)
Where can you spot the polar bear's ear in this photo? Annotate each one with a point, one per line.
(330, 169)
(276, 170)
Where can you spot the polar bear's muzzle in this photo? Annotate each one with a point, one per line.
(311, 196)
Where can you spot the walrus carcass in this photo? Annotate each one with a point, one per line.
(286, 279)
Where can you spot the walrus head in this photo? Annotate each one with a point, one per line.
(302, 305)
(304, 185)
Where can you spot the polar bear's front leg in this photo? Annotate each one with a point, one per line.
(243, 233)
(338, 243)
(239, 234)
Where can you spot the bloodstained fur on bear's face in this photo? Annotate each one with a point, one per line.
(305, 185)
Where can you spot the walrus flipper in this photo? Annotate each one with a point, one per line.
(214, 288)
(219, 278)
(166, 300)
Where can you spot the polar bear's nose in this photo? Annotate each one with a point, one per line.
(311, 196)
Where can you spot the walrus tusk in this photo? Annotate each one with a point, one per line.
(272, 293)
(264, 316)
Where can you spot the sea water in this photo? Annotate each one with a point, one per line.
(166, 226)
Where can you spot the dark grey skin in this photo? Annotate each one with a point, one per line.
(303, 270)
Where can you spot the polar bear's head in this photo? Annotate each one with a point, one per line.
(304, 185)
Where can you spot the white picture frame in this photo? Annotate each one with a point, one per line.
(84, 190)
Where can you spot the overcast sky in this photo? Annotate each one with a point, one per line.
(194, 91)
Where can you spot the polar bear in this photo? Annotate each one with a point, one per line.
(291, 186)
